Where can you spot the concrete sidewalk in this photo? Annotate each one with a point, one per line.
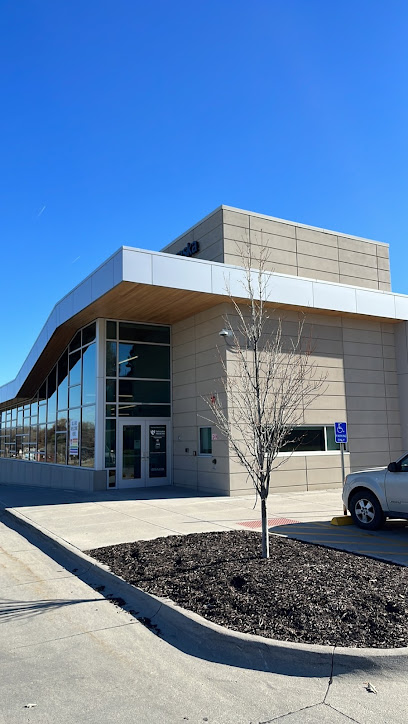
(74, 657)
(227, 677)
(93, 520)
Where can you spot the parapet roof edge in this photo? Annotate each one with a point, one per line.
(273, 218)
(313, 285)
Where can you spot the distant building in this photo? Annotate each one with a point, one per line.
(111, 393)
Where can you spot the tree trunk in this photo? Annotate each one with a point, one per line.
(265, 533)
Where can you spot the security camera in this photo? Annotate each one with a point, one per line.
(225, 333)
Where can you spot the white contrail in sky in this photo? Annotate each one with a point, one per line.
(41, 211)
(78, 257)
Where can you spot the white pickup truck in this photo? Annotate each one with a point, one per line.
(371, 496)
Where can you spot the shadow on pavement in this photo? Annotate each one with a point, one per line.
(22, 496)
(10, 609)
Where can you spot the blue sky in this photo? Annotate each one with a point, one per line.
(125, 122)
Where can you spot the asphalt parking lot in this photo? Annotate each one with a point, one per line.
(387, 544)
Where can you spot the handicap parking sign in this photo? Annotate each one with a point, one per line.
(340, 432)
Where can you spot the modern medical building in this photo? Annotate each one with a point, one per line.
(111, 394)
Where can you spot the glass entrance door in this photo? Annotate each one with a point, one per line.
(143, 453)
(131, 455)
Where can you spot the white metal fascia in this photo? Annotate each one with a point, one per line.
(177, 272)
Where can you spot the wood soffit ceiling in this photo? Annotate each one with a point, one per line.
(133, 302)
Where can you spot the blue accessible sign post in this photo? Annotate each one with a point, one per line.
(340, 436)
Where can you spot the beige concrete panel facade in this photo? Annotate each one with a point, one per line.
(195, 345)
(235, 218)
(361, 260)
(363, 273)
(304, 251)
(272, 241)
(320, 275)
(360, 282)
(360, 461)
(318, 263)
(317, 251)
(358, 245)
(319, 237)
(259, 223)
(321, 477)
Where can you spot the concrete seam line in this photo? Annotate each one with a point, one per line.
(167, 610)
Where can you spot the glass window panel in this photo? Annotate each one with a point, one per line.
(205, 441)
(110, 390)
(14, 414)
(144, 410)
(50, 448)
(42, 393)
(33, 431)
(130, 332)
(331, 442)
(42, 413)
(305, 439)
(110, 410)
(89, 334)
(63, 382)
(52, 408)
(41, 443)
(89, 375)
(19, 449)
(111, 359)
(112, 479)
(110, 330)
(62, 420)
(19, 419)
(34, 408)
(26, 425)
(132, 452)
(52, 396)
(61, 448)
(75, 396)
(88, 437)
(75, 368)
(74, 436)
(144, 360)
(143, 391)
(110, 444)
(76, 342)
(63, 394)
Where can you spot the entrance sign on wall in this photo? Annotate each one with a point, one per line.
(73, 438)
(340, 432)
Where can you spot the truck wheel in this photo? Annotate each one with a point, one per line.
(366, 510)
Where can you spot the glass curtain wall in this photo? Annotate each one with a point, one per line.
(137, 378)
(58, 424)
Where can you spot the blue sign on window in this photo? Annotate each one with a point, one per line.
(340, 432)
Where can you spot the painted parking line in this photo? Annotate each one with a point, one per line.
(390, 545)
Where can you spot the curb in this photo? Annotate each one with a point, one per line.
(191, 632)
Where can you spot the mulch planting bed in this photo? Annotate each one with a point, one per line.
(303, 593)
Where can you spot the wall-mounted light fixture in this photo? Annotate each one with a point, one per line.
(226, 333)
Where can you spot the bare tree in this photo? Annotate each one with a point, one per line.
(269, 379)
